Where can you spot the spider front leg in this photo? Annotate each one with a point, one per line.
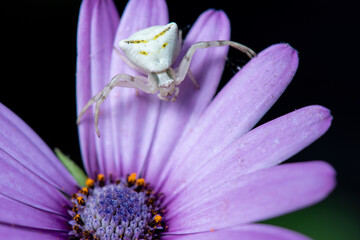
(137, 82)
(183, 68)
(175, 94)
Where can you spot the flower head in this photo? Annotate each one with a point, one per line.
(192, 169)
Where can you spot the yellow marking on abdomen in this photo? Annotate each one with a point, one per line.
(143, 53)
(164, 45)
(137, 41)
(162, 33)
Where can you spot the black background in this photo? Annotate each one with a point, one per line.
(39, 55)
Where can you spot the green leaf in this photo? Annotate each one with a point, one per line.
(71, 166)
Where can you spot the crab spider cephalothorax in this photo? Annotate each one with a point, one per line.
(152, 51)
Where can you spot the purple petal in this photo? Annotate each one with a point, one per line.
(83, 85)
(248, 232)
(20, 233)
(253, 197)
(97, 25)
(207, 67)
(19, 183)
(22, 144)
(237, 108)
(101, 42)
(129, 112)
(265, 146)
(17, 213)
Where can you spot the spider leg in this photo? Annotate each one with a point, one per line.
(193, 79)
(180, 36)
(162, 98)
(191, 76)
(120, 80)
(176, 93)
(183, 68)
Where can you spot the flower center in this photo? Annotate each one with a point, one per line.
(124, 209)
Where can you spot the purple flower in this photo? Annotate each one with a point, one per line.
(216, 175)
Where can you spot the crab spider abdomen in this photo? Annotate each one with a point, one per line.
(153, 49)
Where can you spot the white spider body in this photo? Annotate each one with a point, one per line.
(153, 51)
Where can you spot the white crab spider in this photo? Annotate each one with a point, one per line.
(152, 51)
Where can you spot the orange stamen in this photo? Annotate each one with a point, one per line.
(140, 182)
(81, 201)
(132, 178)
(101, 177)
(157, 218)
(85, 191)
(89, 183)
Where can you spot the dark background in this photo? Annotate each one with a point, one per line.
(38, 81)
